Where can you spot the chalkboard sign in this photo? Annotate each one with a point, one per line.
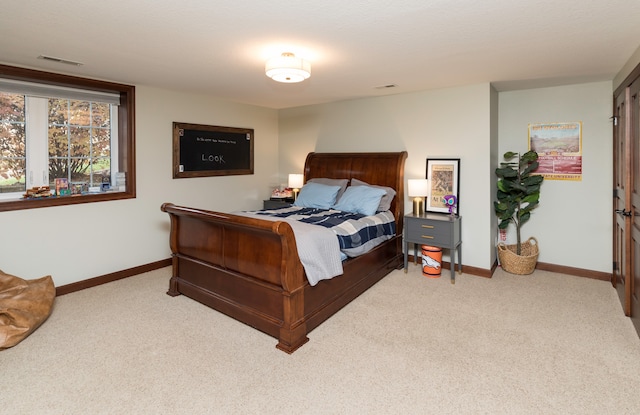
(208, 150)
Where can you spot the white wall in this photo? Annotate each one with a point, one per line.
(573, 223)
(78, 242)
(452, 122)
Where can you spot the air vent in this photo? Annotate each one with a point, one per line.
(60, 60)
(387, 86)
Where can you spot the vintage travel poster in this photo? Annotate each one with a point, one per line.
(443, 175)
(559, 148)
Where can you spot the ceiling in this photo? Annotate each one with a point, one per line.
(356, 47)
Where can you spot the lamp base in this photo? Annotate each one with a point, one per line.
(418, 206)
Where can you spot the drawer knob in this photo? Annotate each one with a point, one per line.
(427, 237)
(427, 226)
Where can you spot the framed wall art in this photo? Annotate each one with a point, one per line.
(444, 180)
(559, 148)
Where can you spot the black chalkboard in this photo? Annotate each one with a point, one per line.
(208, 150)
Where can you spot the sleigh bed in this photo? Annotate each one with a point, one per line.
(249, 268)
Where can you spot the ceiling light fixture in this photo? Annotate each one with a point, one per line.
(288, 68)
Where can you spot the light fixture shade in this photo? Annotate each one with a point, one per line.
(296, 181)
(288, 68)
(418, 187)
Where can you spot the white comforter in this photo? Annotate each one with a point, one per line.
(318, 248)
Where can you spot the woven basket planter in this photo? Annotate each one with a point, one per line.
(522, 264)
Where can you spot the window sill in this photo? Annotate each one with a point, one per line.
(21, 204)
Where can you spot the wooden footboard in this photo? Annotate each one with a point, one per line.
(246, 268)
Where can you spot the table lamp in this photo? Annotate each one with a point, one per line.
(295, 182)
(418, 190)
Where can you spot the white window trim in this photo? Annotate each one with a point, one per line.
(37, 133)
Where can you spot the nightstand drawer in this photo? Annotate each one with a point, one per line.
(275, 204)
(429, 232)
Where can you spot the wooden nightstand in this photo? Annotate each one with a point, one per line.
(434, 229)
(276, 204)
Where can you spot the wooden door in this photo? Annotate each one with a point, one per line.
(626, 205)
(621, 179)
(634, 134)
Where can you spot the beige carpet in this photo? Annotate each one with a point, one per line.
(539, 344)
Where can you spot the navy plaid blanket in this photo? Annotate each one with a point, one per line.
(356, 233)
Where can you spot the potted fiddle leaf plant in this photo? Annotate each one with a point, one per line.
(518, 194)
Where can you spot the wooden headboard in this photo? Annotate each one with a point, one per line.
(382, 169)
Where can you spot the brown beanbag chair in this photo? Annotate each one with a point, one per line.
(24, 305)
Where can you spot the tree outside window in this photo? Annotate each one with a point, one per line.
(79, 141)
(12, 143)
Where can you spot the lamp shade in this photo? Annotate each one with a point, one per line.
(418, 187)
(296, 181)
(287, 68)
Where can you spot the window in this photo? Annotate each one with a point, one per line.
(61, 139)
(71, 135)
(79, 146)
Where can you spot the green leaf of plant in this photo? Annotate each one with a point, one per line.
(504, 224)
(530, 168)
(504, 186)
(529, 156)
(535, 179)
(501, 196)
(506, 172)
(519, 187)
(532, 198)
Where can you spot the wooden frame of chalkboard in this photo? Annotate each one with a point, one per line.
(209, 150)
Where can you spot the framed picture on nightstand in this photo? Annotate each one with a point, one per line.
(444, 180)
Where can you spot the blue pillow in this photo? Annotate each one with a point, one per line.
(332, 182)
(385, 202)
(360, 199)
(316, 195)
